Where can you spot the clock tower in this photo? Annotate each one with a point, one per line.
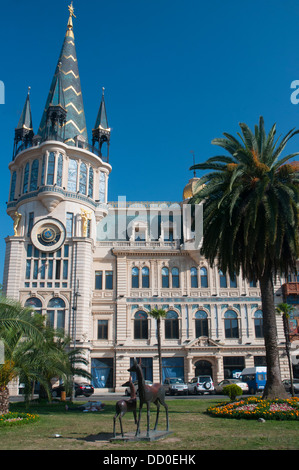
(58, 194)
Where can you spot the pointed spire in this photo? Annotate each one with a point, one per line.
(24, 130)
(25, 121)
(101, 131)
(69, 85)
(102, 120)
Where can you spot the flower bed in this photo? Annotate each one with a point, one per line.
(10, 419)
(255, 407)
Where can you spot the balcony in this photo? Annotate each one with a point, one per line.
(290, 288)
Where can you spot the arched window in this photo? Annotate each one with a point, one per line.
(175, 277)
(201, 324)
(59, 170)
(35, 303)
(13, 186)
(231, 324)
(203, 277)
(171, 325)
(26, 178)
(43, 170)
(222, 279)
(90, 182)
(135, 277)
(165, 277)
(72, 176)
(83, 178)
(34, 175)
(140, 325)
(51, 166)
(145, 277)
(56, 313)
(258, 324)
(194, 278)
(233, 281)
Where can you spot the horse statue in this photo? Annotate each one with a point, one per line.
(149, 394)
(122, 406)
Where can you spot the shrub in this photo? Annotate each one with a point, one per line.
(232, 391)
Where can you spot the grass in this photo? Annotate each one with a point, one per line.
(193, 429)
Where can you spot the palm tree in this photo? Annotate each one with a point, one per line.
(158, 314)
(285, 310)
(16, 321)
(251, 220)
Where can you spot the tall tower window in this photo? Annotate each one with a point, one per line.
(72, 176)
(83, 179)
(102, 187)
(26, 178)
(69, 224)
(59, 170)
(13, 186)
(34, 175)
(47, 269)
(90, 182)
(51, 166)
(43, 170)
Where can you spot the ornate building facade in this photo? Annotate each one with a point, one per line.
(96, 268)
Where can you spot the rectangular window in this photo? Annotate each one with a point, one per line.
(102, 329)
(50, 269)
(69, 224)
(65, 268)
(109, 280)
(30, 223)
(57, 271)
(99, 280)
(35, 269)
(28, 268)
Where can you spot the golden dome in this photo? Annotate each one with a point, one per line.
(190, 188)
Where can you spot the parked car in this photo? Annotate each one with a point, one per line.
(201, 384)
(84, 389)
(223, 383)
(287, 385)
(128, 391)
(175, 386)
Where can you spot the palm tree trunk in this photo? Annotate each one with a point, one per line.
(4, 400)
(274, 387)
(159, 348)
(286, 328)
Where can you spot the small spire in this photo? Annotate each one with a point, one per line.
(101, 131)
(25, 121)
(193, 153)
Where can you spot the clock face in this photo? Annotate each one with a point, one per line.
(48, 235)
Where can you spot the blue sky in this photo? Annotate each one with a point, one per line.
(176, 75)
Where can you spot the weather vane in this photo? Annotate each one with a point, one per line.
(71, 10)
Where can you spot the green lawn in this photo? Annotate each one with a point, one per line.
(192, 429)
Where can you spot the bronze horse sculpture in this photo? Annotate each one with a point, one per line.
(122, 406)
(149, 394)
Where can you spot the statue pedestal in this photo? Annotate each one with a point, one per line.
(153, 436)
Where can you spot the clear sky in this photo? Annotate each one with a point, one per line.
(176, 75)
